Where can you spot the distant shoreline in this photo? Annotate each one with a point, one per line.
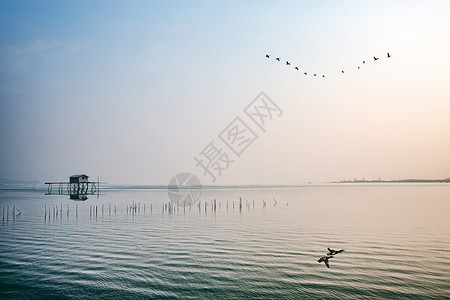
(5, 187)
(447, 180)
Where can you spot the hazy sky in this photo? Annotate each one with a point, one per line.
(132, 91)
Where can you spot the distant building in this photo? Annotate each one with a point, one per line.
(78, 187)
(79, 178)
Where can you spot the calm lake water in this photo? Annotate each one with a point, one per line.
(396, 239)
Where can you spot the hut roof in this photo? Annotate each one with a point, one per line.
(77, 176)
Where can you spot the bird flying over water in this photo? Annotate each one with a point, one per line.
(277, 58)
(342, 71)
(325, 260)
(334, 252)
(388, 55)
(267, 55)
(305, 73)
(296, 68)
(376, 58)
(288, 63)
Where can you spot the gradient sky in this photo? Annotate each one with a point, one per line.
(131, 91)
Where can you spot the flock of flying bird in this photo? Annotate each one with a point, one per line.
(288, 63)
(329, 255)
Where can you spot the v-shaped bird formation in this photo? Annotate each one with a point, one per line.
(331, 253)
(298, 68)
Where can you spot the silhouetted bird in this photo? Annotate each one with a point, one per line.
(296, 68)
(388, 55)
(315, 74)
(364, 62)
(277, 58)
(334, 252)
(375, 58)
(323, 76)
(305, 73)
(267, 55)
(358, 68)
(342, 71)
(288, 63)
(325, 260)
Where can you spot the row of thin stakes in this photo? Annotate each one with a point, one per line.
(171, 207)
(135, 208)
(14, 212)
(57, 211)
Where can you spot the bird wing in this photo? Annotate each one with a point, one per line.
(326, 262)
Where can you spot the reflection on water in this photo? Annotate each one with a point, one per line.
(81, 197)
(396, 240)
